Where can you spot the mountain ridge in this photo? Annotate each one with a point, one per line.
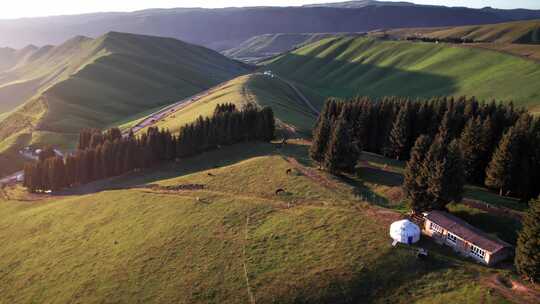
(222, 29)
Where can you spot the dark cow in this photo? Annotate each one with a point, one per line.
(280, 191)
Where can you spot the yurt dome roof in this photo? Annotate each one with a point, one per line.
(405, 232)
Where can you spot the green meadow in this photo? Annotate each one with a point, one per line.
(131, 240)
(347, 66)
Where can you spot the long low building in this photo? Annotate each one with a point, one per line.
(464, 238)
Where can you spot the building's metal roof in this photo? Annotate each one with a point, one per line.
(466, 231)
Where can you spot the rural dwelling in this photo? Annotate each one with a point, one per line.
(405, 232)
(464, 238)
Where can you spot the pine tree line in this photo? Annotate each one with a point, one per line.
(499, 144)
(103, 155)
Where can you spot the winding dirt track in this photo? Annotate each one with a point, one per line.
(301, 96)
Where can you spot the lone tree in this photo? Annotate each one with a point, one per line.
(528, 246)
(415, 183)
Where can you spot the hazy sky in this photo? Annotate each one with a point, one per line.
(32, 8)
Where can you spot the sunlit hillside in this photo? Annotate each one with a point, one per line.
(367, 66)
(524, 32)
(290, 109)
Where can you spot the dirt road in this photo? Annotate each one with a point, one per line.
(301, 96)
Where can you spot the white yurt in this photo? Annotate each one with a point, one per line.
(405, 232)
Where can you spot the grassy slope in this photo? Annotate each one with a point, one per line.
(141, 245)
(511, 32)
(257, 88)
(35, 70)
(365, 66)
(100, 82)
(520, 38)
(140, 73)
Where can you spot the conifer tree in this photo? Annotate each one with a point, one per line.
(46, 153)
(399, 142)
(503, 163)
(340, 155)
(415, 181)
(528, 245)
(56, 173)
(444, 168)
(473, 150)
(321, 137)
(454, 180)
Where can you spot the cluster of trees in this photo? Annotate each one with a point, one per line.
(499, 145)
(454, 40)
(102, 155)
(224, 108)
(434, 175)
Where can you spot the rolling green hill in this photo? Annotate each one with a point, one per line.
(525, 32)
(99, 82)
(233, 242)
(265, 46)
(257, 88)
(366, 66)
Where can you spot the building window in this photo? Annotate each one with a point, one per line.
(435, 227)
(478, 252)
(452, 238)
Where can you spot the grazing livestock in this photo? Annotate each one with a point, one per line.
(280, 191)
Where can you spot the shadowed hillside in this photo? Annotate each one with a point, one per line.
(99, 82)
(365, 66)
(264, 46)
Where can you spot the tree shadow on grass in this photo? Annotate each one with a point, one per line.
(505, 228)
(223, 157)
(364, 193)
(381, 177)
(392, 277)
(300, 152)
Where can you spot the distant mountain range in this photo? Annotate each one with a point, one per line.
(363, 3)
(222, 29)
